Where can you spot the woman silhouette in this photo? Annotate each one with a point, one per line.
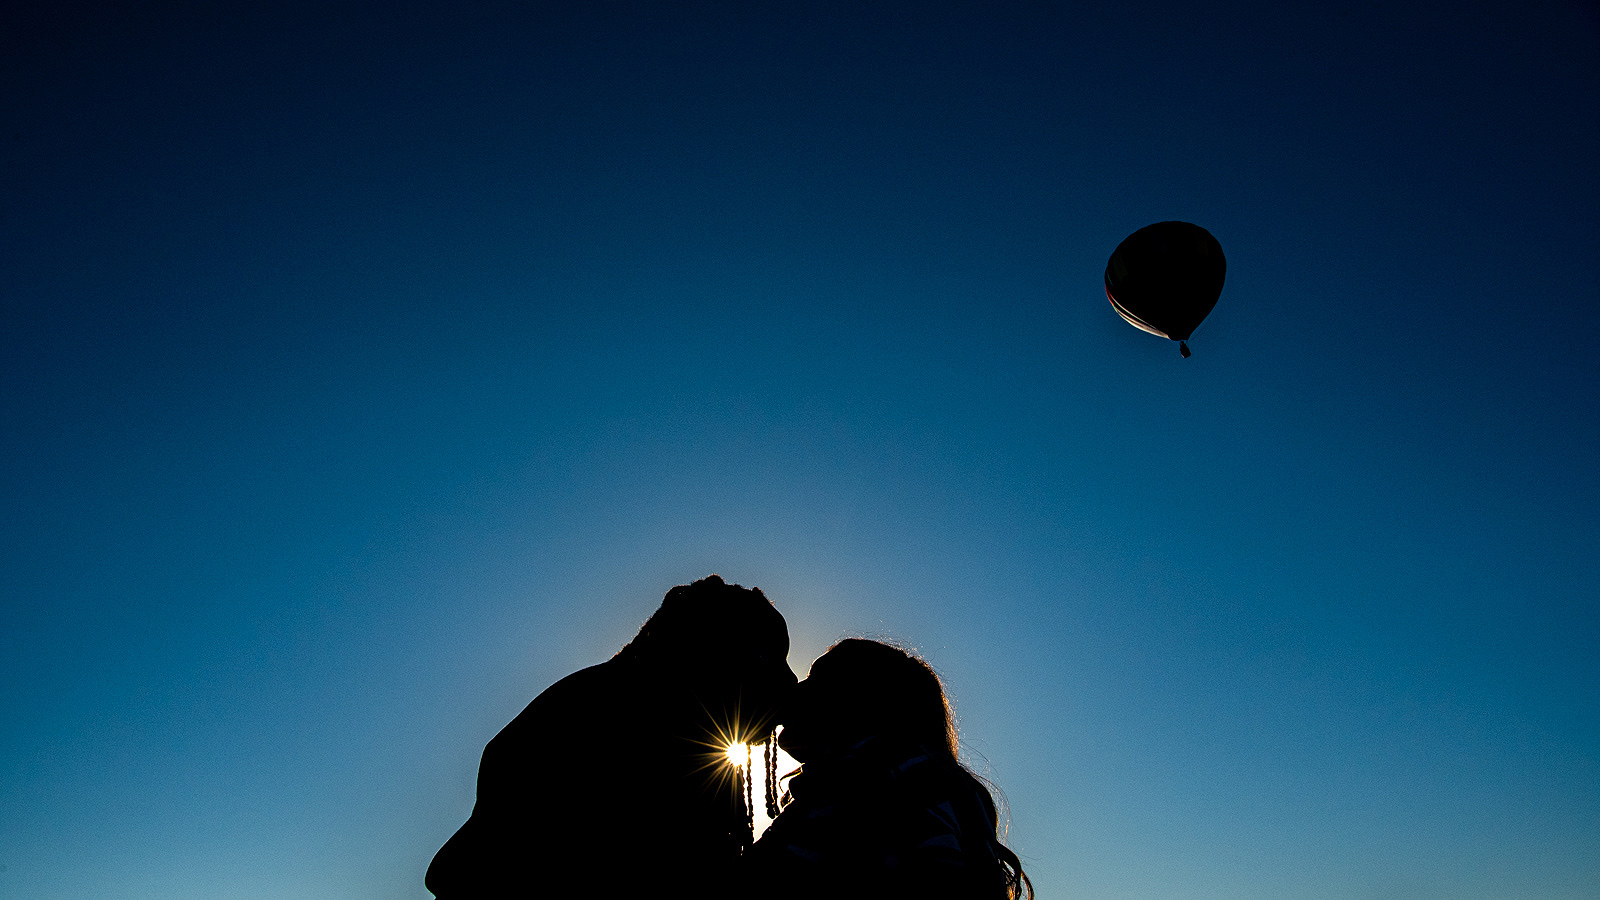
(881, 807)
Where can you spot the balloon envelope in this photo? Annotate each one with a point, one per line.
(1165, 278)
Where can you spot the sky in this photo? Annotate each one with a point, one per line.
(365, 369)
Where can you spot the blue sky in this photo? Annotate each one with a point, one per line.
(367, 369)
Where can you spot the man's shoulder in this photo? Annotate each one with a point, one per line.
(598, 677)
(575, 695)
(585, 699)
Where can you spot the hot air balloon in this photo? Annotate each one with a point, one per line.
(1165, 278)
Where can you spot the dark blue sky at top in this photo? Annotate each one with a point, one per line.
(364, 369)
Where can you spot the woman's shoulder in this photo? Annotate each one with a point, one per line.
(901, 789)
(886, 818)
(911, 767)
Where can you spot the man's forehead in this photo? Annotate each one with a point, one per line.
(760, 626)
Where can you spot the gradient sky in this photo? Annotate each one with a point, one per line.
(365, 369)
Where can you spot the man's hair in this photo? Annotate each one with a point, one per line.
(709, 615)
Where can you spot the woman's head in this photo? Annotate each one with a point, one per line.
(862, 688)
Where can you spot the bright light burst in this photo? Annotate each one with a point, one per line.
(735, 754)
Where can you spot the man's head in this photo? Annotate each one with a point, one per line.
(725, 643)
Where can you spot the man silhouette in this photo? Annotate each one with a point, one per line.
(612, 782)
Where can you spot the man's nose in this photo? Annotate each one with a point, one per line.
(789, 700)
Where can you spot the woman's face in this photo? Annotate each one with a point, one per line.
(822, 713)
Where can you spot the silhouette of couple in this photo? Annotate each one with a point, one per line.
(613, 782)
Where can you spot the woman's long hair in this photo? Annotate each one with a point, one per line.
(907, 699)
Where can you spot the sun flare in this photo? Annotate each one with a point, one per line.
(735, 754)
